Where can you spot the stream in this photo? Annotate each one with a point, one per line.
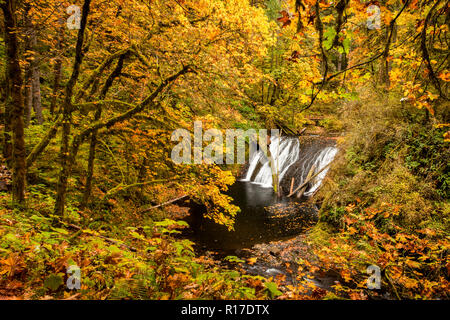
(269, 227)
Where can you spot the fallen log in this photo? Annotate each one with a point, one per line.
(308, 180)
(302, 131)
(292, 185)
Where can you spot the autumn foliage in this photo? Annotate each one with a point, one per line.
(88, 112)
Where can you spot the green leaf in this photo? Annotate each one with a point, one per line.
(346, 45)
(53, 282)
(234, 259)
(273, 289)
(329, 35)
(182, 223)
(136, 235)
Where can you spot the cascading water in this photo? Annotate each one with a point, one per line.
(324, 159)
(293, 159)
(264, 216)
(285, 152)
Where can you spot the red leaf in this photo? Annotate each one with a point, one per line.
(285, 19)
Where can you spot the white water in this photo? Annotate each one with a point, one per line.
(288, 153)
(325, 157)
(284, 157)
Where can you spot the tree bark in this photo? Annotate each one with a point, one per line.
(28, 95)
(57, 67)
(32, 74)
(36, 86)
(67, 116)
(425, 54)
(273, 167)
(98, 113)
(15, 102)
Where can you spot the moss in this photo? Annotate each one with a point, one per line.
(332, 124)
(403, 189)
(332, 215)
(320, 234)
(388, 156)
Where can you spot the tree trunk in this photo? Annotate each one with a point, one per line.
(67, 116)
(80, 137)
(7, 130)
(98, 114)
(339, 64)
(90, 170)
(36, 91)
(273, 166)
(57, 68)
(15, 102)
(308, 181)
(32, 74)
(28, 95)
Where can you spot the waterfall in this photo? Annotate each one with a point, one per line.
(325, 157)
(294, 159)
(284, 157)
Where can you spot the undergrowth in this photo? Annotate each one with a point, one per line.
(385, 203)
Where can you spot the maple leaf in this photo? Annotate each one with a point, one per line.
(12, 265)
(444, 75)
(285, 19)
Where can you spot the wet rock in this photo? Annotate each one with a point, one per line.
(275, 251)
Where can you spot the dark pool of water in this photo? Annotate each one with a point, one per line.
(254, 224)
